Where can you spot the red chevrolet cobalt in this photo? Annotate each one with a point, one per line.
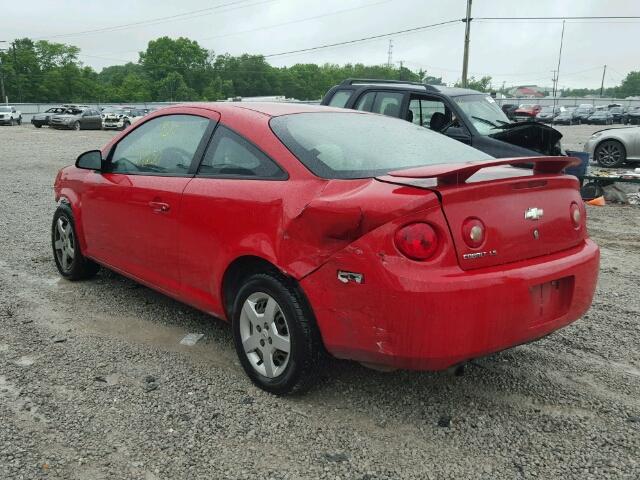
(316, 230)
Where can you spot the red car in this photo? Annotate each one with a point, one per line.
(314, 229)
(526, 112)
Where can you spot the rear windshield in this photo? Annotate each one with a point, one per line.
(355, 145)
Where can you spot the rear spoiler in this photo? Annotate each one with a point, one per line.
(455, 173)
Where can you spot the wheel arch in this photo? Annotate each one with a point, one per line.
(243, 267)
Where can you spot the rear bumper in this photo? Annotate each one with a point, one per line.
(432, 319)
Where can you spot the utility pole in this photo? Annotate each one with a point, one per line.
(465, 57)
(553, 82)
(4, 98)
(15, 66)
(557, 75)
(401, 62)
(604, 70)
(390, 54)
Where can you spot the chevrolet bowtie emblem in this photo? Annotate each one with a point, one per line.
(533, 213)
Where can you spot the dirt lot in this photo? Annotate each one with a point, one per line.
(94, 384)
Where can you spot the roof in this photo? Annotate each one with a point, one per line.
(272, 109)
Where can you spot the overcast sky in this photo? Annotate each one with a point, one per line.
(516, 52)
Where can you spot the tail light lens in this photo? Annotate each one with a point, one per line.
(576, 215)
(417, 241)
(473, 232)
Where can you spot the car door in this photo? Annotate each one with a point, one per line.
(96, 120)
(437, 114)
(131, 210)
(236, 193)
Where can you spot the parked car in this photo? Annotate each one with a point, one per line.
(10, 115)
(121, 118)
(632, 116)
(509, 110)
(615, 146)
(566, 117)
(466, 115)
(77, 119)
(548, 114)
(600, 117)
(40, 119)
(311, 231)
(526, 112)
(617, 113)
(583, 113)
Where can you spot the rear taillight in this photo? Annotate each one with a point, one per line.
(576, 215)
(417, 241)
(473, 232)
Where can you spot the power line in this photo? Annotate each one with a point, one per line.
(291, 22)
(153, 21)
(363, 39)
(593, 17)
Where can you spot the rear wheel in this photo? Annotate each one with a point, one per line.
(37, 125)
(125, 125)
(19, 120)
(610, 154)
(70, 261)
(275, 335)
(76, 126)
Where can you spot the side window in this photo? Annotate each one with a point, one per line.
(365, 102)
(162, 145)
(340, 98)
(388, 103)
(230, 154)
(430, 113)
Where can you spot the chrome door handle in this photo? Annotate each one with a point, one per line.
(159, 207)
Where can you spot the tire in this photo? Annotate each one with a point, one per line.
(19, 120)
(610, 154)
(125, 125)
(76, 126)
(69, 260)
(13, 122)
(291, 321)
(37, 125)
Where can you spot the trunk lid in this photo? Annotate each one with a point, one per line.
(524, 216)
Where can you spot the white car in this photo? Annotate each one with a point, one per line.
(9, 115)
(120, 118)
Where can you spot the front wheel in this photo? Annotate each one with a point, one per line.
(70, 261)
(275, 335)
(125, 125)
(37, 125)
(19, 120)
(76, 126)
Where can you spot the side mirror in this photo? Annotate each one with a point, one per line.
(91, 160)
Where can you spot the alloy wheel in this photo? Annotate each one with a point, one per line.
(64, 243)
(609, 154)
(265, 335)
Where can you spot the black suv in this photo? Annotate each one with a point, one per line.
(466, 115)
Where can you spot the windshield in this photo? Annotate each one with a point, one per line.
(483, 112)
(582, 110)
(356, 145)
(5, 109)
(72, 111)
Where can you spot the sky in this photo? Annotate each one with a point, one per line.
(517, 52)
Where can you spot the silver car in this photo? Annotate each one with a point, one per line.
(615, 146)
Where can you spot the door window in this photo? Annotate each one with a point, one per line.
(340, 98)
(386, 103)
(423, 110)
(231, 155)
(163, 145)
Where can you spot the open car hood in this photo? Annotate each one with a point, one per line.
(534, 136)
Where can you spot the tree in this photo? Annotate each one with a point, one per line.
(482, 85)
(630, 86)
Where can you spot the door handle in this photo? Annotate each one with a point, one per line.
(159, 207)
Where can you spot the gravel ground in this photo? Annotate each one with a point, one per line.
(94, 383)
